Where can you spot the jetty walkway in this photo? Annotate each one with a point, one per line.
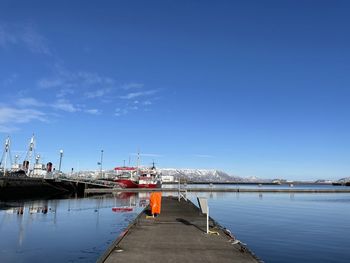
(178, 234)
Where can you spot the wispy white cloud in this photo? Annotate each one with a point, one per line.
(91, 79)
(29, 102)
(65, 105)
(61, 93)
(97, 93)
(60, 104)
(25, 36)
(93, 111)
(47, 83)
(62, 83)
(132, 85)
(11, 116)
(91, 85)
(119, 112)
(8, 128)
(133, 95)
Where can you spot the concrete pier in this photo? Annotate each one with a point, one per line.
(178, 234)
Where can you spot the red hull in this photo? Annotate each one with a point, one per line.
(125, 183)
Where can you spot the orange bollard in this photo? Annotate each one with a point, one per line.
(155, 202)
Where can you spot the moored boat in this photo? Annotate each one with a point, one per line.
(126, 177)
(133, 177)
(149, 178)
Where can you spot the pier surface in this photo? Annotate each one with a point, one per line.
(178, 234)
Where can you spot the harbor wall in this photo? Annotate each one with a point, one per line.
(26, 187)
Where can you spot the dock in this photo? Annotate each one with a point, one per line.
(178, 234)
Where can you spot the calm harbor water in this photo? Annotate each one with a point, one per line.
(278, 227)
(288, 227)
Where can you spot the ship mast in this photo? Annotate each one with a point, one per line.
(29, 155)
(138, 159)
(6, 154)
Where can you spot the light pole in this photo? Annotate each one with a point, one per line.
(61, 155)
(101, 163)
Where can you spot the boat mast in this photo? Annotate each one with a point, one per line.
(29, 155)
(138, 159)
(7, 149)
(6, 154)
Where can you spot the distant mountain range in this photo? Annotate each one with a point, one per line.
(193, 175)
(200, 175)
(203, 175)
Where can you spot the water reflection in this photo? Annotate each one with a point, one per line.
(291, 196)
(82, 228)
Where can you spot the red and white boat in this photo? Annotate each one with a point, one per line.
(149, 178)
(126, 177)
(133, 177)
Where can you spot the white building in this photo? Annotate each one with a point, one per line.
(167, 178)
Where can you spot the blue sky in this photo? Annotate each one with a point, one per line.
(253, 88)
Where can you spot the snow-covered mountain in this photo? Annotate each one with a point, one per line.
(192, 175)
(200, 175)
(344, 180)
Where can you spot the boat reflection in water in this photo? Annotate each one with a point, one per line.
(130, 200)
